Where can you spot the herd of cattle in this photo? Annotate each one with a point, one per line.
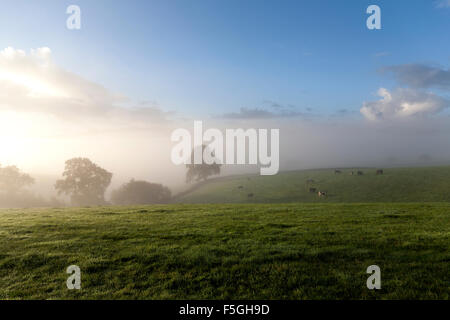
(359, 173)
(321, 193)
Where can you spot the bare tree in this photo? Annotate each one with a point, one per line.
(201, 171)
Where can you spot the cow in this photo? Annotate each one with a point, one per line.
(379, 171)
(241, 187)
(250, 195)
(312, 190)
(337, 171)
(359, 173)
(322, 194)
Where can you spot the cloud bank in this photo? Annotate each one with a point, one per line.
(403, 103)
(259, 113)
(414, 100)
(420, 76)
(33, 83)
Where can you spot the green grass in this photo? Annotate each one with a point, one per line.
(245, 251)
(430, 184)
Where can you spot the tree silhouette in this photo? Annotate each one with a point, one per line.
(140, 192)
(84, 182)
(201, 171)
(12, 180)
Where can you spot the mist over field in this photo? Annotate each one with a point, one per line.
(304, 144)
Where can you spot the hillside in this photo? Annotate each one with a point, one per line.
(426, 184)
(245, 251)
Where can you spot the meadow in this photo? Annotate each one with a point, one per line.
(422, 184)
(227, 251)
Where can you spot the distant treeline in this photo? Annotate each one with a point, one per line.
(85, 184)
(13, 192)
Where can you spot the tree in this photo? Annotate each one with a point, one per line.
(201, 171)
(13, 193)
(84, 182)
(12, 180)
(140, 192)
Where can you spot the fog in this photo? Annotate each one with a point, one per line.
(49, 115)
(304, 144)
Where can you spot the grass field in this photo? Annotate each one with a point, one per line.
(428, 184)
(236, 251)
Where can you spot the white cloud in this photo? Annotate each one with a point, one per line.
(403, 103)
(442, 4)
(33, 83)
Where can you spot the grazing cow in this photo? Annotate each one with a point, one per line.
(322, 194)
(379, 171)
(241, 187)
(312, 190)
(337, 171)
(360, 173)
(250, 195)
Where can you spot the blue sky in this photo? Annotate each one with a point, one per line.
(203, 58)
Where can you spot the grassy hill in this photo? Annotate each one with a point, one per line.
(429, 184)
(244, 251)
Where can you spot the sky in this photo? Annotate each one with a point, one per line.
(214, 57)
(137, 69)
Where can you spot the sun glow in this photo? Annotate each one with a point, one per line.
(36, 87)
(21, 137)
